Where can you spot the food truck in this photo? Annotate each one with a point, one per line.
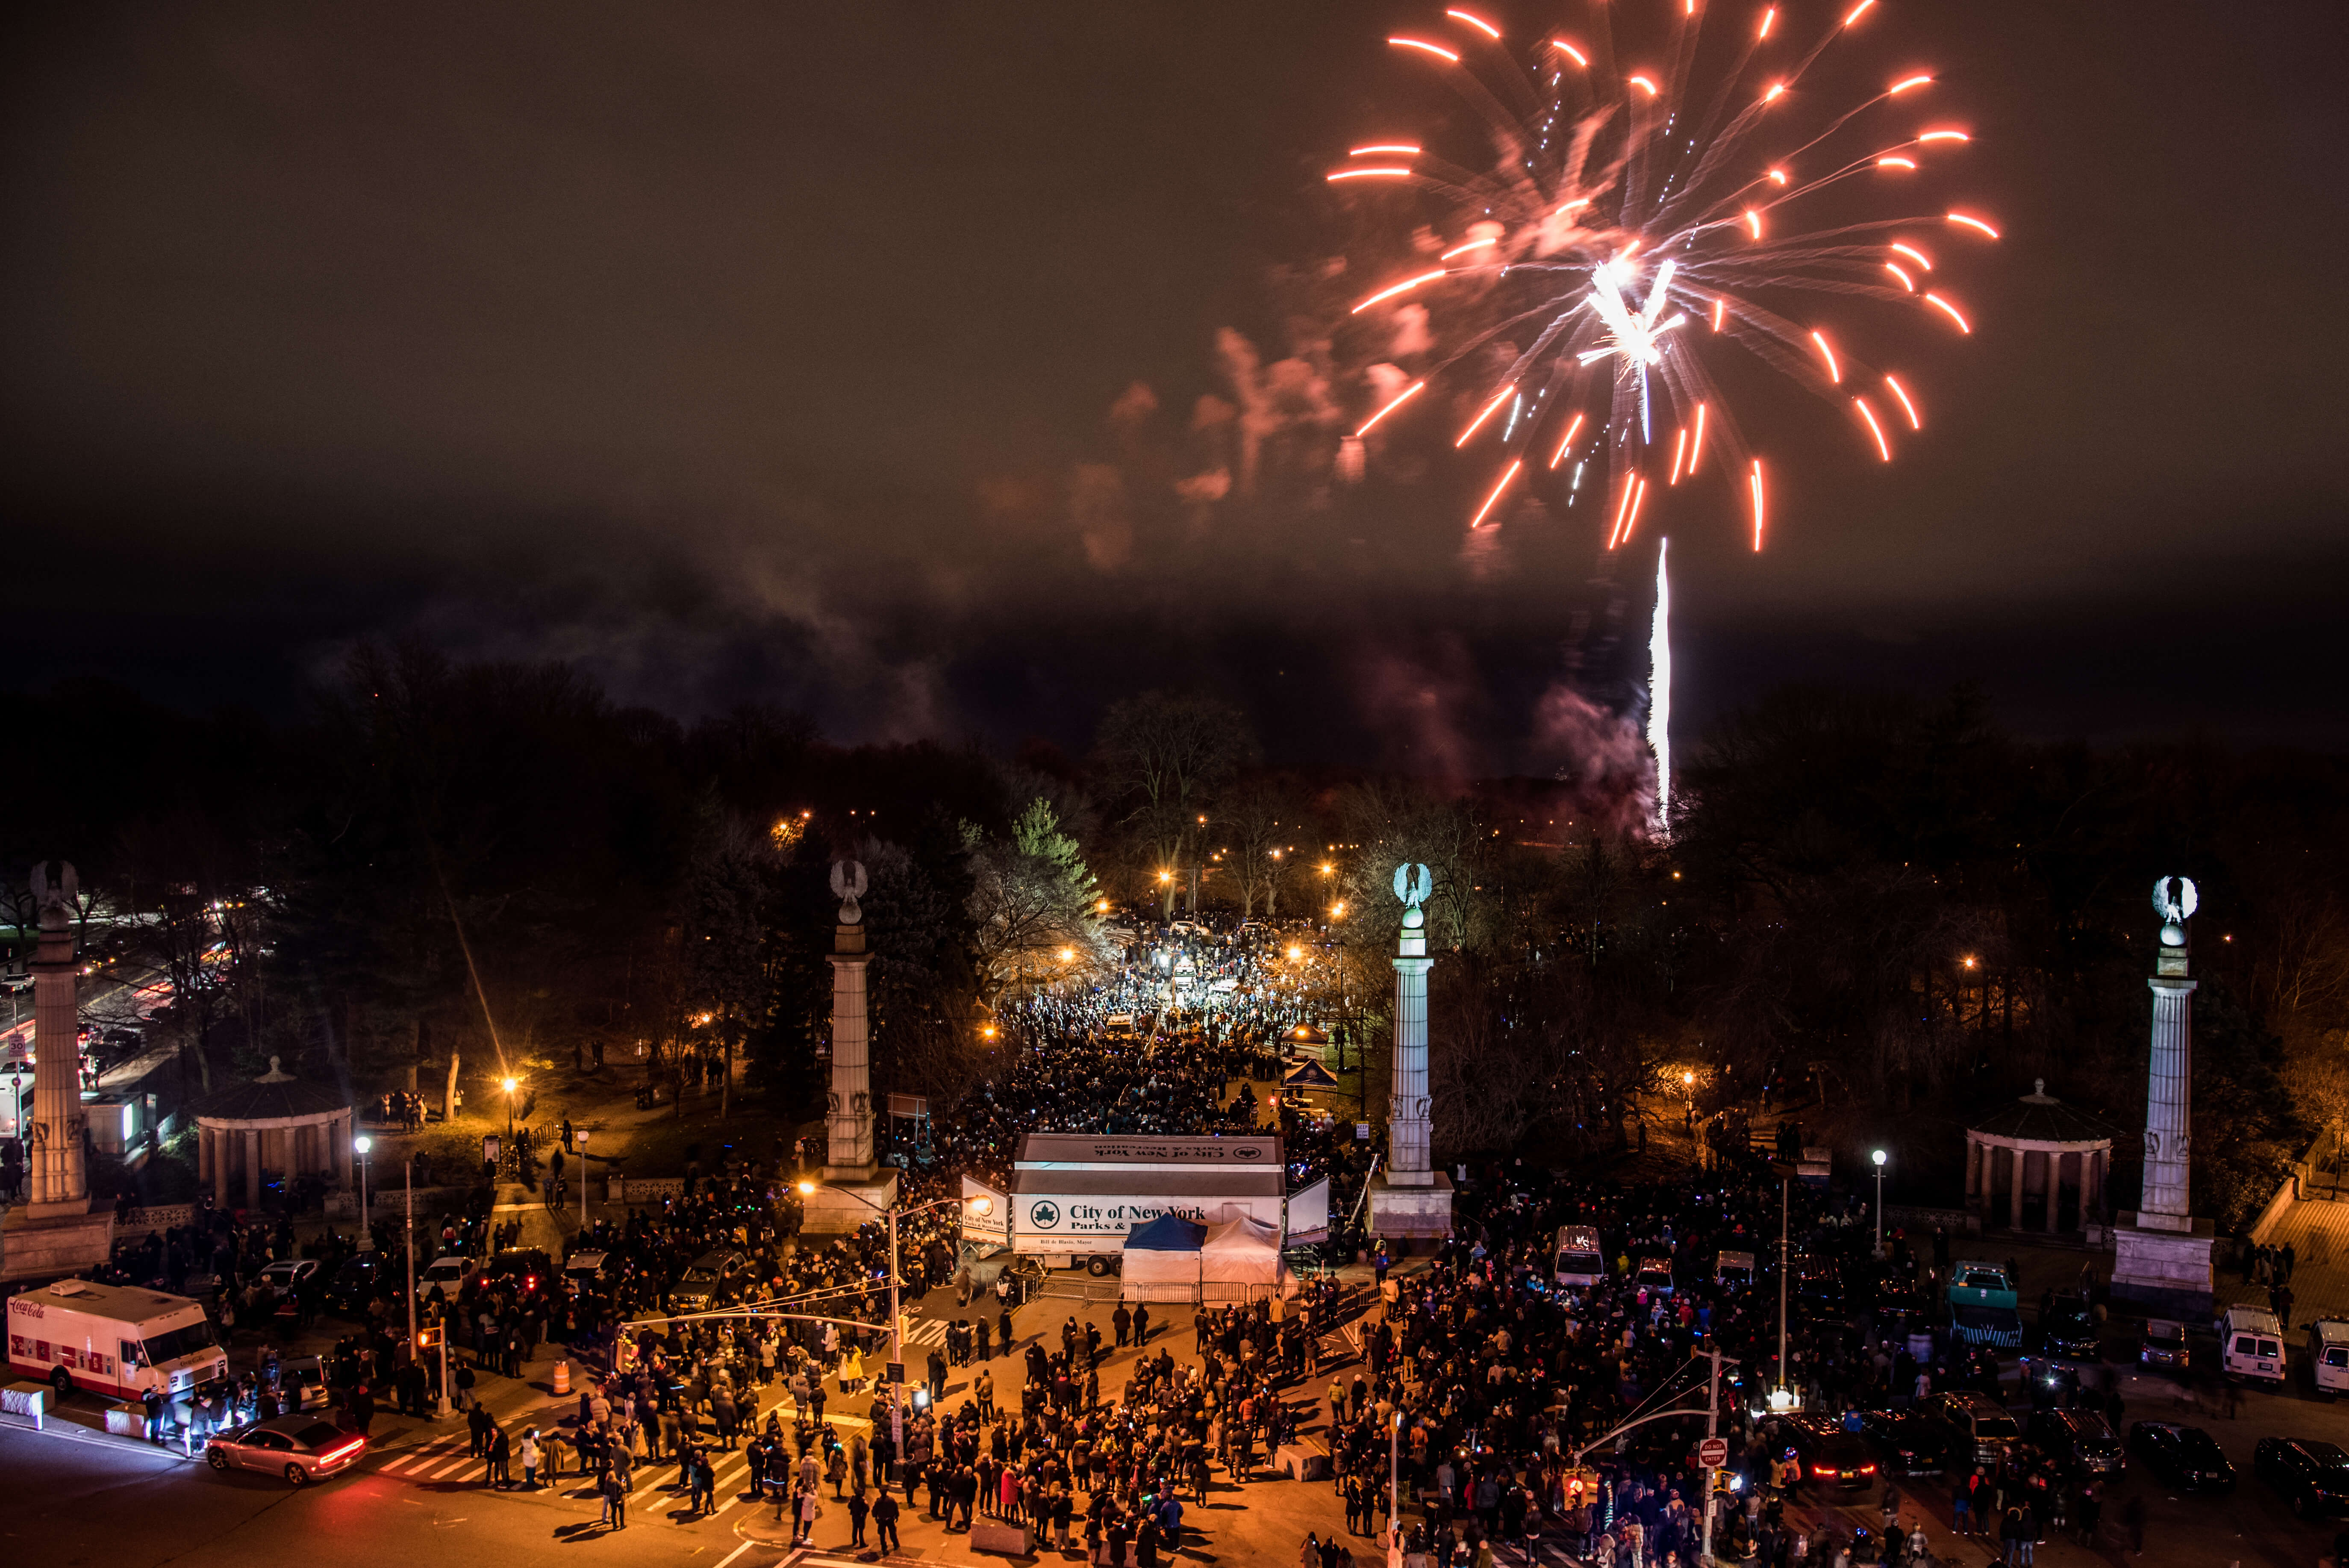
(1074, 1196)
(114, 1339)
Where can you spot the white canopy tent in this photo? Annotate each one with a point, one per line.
(1240, 1260)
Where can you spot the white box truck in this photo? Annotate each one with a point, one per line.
(119, 1340)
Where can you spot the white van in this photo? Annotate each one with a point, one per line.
(2251, 1344)
(2328, 1355)
(1579, 1262)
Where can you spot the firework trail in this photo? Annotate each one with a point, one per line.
(1659, 691)
(1642, 214)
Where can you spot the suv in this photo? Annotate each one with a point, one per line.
(704, 1285)
(1980, 1429)
(357, 1282)
(1906, 1443)
(2312, 1476)
(1831, 1456)
(528, 1267)
(2078, 1440)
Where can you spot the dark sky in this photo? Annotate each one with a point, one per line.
(771, 352)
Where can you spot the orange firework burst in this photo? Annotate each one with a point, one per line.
(1655, 164)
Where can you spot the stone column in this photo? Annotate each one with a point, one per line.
(1409, 1200)
(2167, 1097)
(2015, 1192)
(59, 1184)
(2161, 1256)
(251, 1167)
(848, 1150)
(1407, 1116)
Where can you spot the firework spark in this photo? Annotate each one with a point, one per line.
(1661, 163)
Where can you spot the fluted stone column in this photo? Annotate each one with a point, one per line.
(1407, 1115)
(1409, 1200)
(59, 1184)
(2161, 1254)
(848, 1123)
(2169, 1138)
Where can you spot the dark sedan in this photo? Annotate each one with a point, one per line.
(2184, 1457)
(2313, 1477)
(1906, 1444)
(2068, 1328)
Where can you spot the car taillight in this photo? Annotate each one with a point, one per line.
(1864, 1469)
(1825, 1470)
(340, 1449)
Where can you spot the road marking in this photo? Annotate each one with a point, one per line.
(736, 1553)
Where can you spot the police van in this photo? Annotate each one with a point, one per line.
(2251, 1345)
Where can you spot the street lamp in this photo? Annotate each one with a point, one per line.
(508, 1084)
(1879, 1157)
(360, 1146)
(979, 1205)
(580, 1137)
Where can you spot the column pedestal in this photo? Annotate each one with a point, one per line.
(35, 1249)
(1416, 1213)
(2161, 1272)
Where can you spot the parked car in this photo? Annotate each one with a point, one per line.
(703, 1284)
(2078, 1440)
(358, 1282)
(2312, 1476)
(528, 1267)
(1979, 1428)
(2068, 1328)
(302, 1380)
(301, 1447)
(2164, 1344)
(2184, 1457)
(1831, 1457)
(287, 1274)
(448, 1271)
(1906, 1443)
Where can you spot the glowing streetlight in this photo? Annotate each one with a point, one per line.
(1879, 1158)
(360, 1146)
(509, 1085)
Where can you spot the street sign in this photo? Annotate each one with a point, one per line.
(1712, 1453)
(897, 1372)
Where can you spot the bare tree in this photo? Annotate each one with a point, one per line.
(1166, 756)
(1259, 820)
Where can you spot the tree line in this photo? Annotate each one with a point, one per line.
(1879, 907)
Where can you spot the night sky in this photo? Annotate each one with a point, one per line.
(787, 352)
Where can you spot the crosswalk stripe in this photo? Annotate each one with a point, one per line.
(452, 1467)
(420, 1458)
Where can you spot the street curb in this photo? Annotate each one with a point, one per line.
(74, 1432)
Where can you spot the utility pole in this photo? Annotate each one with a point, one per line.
(1784, 1194)
(1394, 1491)
(408, 1169)
(1712, 1428)
(896, 1354)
